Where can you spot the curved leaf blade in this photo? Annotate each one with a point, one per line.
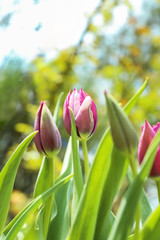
(16, 224)
(129, 204)
(85, 220)
(7, 178)
(112, 184)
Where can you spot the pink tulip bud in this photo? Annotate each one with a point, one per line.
(48, 139)
(147, 134)
(84, 111)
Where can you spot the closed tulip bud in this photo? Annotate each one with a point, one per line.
(48, 139)
(147, 134)
(84, 111)
(123, 133)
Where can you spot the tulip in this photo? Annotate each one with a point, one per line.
(147, 134)
(84, 111)
(48, 139)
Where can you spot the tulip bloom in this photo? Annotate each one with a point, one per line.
(48, 139)
(84, 111)
(147, 134)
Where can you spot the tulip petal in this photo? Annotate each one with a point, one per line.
(145, 140)
(37, 127)
(94, 111)
(50, 137)
(83, 95)
(156, 127)
(84, 119)
(67, 114)
(155, 171)
(74, 102)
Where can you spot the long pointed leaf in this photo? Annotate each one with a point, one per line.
(16, 224)
(113, 179)
(150, 230)
(56, 111)
(7, 178)
(128, 107)
(116, 174)
(152, 226)
(128, 207)
(85, 220)
(145, 206)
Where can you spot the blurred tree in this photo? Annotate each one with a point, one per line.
(16, 90)
(121, 61)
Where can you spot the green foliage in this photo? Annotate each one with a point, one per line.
(127, 209)
(65, 209)
(12, 229)
(7, 178)
(119, 62)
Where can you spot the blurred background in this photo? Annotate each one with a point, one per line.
(47, 47)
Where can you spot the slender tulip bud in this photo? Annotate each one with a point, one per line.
(84, 111)
(48, 139)
(147, 134)
(123, 133)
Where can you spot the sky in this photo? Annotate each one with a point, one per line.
(49, 25)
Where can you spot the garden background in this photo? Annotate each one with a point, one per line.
(103, 56)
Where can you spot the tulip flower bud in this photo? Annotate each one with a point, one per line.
(147, 134)
(123, 133)
(48, 139)
(84, 111)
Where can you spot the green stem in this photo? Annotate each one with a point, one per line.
(137, 218)
(138, 212)
(158, 189)
(85, 154)
(49, 203)
(132, 165)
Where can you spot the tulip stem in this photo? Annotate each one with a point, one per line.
(158, 189)
(138, 212)
(138, 217)
(85, 154)
(132, 165)
(49, 203)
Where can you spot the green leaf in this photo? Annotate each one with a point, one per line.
(84, 223)
(45, 180)
(56, 111)
(7, 178)
(128, 207)
(16, 224)
(119, 164)
(77, 170)
(60, 225)
(146, 209)
(145, 205)
(131, 103)
(117, 171)
(152, 226)
(43, 183)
